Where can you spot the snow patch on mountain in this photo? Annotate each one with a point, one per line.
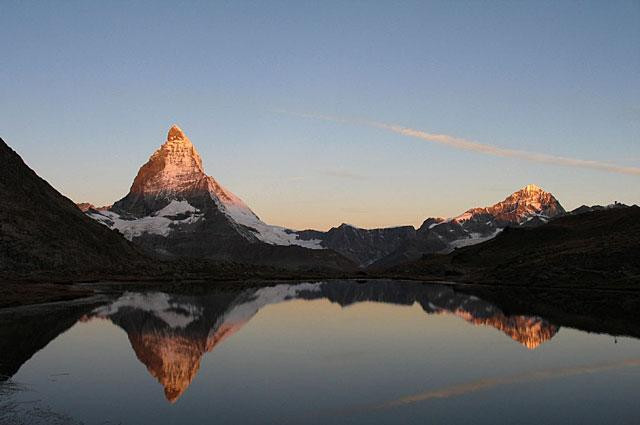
(234, 208)
(260, 298)
(160, 223)
(474, 238)
(265, 232)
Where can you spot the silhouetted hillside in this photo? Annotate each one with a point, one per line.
(598, 247)
(43, 231)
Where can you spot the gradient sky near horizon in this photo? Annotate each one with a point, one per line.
(88, 91)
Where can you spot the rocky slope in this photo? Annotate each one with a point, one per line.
(362, 246)
(174, 209)
(44, 233)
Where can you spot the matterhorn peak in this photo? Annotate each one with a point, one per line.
(171, 193)
(176, 133)
(174, 168)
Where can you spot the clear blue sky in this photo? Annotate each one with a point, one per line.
(89, 89)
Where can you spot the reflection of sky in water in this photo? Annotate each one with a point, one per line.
(313, 361)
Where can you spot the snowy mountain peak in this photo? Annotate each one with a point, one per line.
(533, 196)
(521, 206)
(524, 205)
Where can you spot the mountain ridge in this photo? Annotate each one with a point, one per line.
(382, 247)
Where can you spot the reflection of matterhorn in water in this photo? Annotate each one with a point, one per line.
(170, 333)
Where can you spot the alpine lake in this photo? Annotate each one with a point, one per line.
(332, 352)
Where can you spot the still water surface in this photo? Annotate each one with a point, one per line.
(333, 352)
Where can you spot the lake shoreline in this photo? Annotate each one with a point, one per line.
(15, 293)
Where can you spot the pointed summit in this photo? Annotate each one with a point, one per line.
(176, 133)
(531, 188)
(530, 192)
(176, 166)
(519, 207)
(528, 202)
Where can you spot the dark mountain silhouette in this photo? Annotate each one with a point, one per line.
(41, 231)
(593, 248)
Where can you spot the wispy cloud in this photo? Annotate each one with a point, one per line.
(488, 383)
(295, 178)
(471, 145)
(343, 174)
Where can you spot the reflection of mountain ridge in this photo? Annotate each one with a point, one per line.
(170, 333)
(530, 331)
(198, 324)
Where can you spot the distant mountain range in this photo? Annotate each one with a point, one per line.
(530, 206)
(174, 209)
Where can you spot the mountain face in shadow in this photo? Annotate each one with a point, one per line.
(43, 231)
(171, 333)
(365, 246)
